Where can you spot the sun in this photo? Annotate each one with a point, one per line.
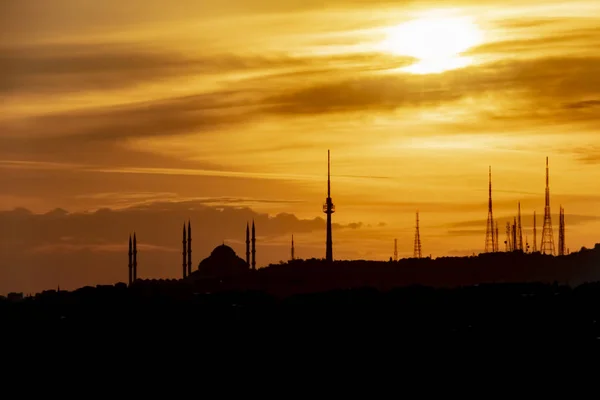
(437, 42)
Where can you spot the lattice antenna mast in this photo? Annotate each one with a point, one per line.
(534, 233)
(507, 242)
(329, 208)
(547, 234)
(489, 234)
(520, 230)
(395, 249)
(417, 250)
(293, 255)
(561, 233)
(497, 236)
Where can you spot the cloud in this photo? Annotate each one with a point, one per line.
(581, 38)
(90, 247)
(588, 155)
(76, 67)
(530, 85)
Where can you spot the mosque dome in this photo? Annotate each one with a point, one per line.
(223, 262)
(223, 252)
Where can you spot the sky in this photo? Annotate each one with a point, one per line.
(131, 115)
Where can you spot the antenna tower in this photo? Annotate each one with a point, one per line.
(489, 234)
(417, 251)
(395, 249)
(547, 234)
(520, 230)
(496, 244)
(561, 233)
(329, 208)
(293, 256)
(507, 242)
(534, 233)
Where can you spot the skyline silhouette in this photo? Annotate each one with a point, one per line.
(515, 241)
(116, 122)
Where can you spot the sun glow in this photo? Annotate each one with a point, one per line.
(437, 43)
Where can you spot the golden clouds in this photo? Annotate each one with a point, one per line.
(242, 98)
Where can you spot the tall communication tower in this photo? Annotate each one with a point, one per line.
(395, 249)
(329, 208)
(561, 233)
(534, 233)
(417, 250)
(489, 234)
(519, 230)
(547, 234)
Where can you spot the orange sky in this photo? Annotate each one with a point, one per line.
(114, 104)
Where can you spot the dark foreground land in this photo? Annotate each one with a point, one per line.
(493, 311)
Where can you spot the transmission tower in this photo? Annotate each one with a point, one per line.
(561, 233)
(519, 230)
(489, 233)
(547, 234)
(496, 245)
(534, 233)
(417, 251)
(508, 241)
(395, 249)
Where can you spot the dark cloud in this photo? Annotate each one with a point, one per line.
(79, 67)
(588, 155)
(538, 82)
(65, 244)
(583, 104)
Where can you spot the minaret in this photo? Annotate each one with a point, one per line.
(520, 230)
(329, 208)
(293, 255)
(247, 245)
(189, 249)
(514, 235)
(130, 261)
(184, 263)
(547, 234)
(489, 234)
(534, 233)
(253, 247)
(134, 258)
(417, 250)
